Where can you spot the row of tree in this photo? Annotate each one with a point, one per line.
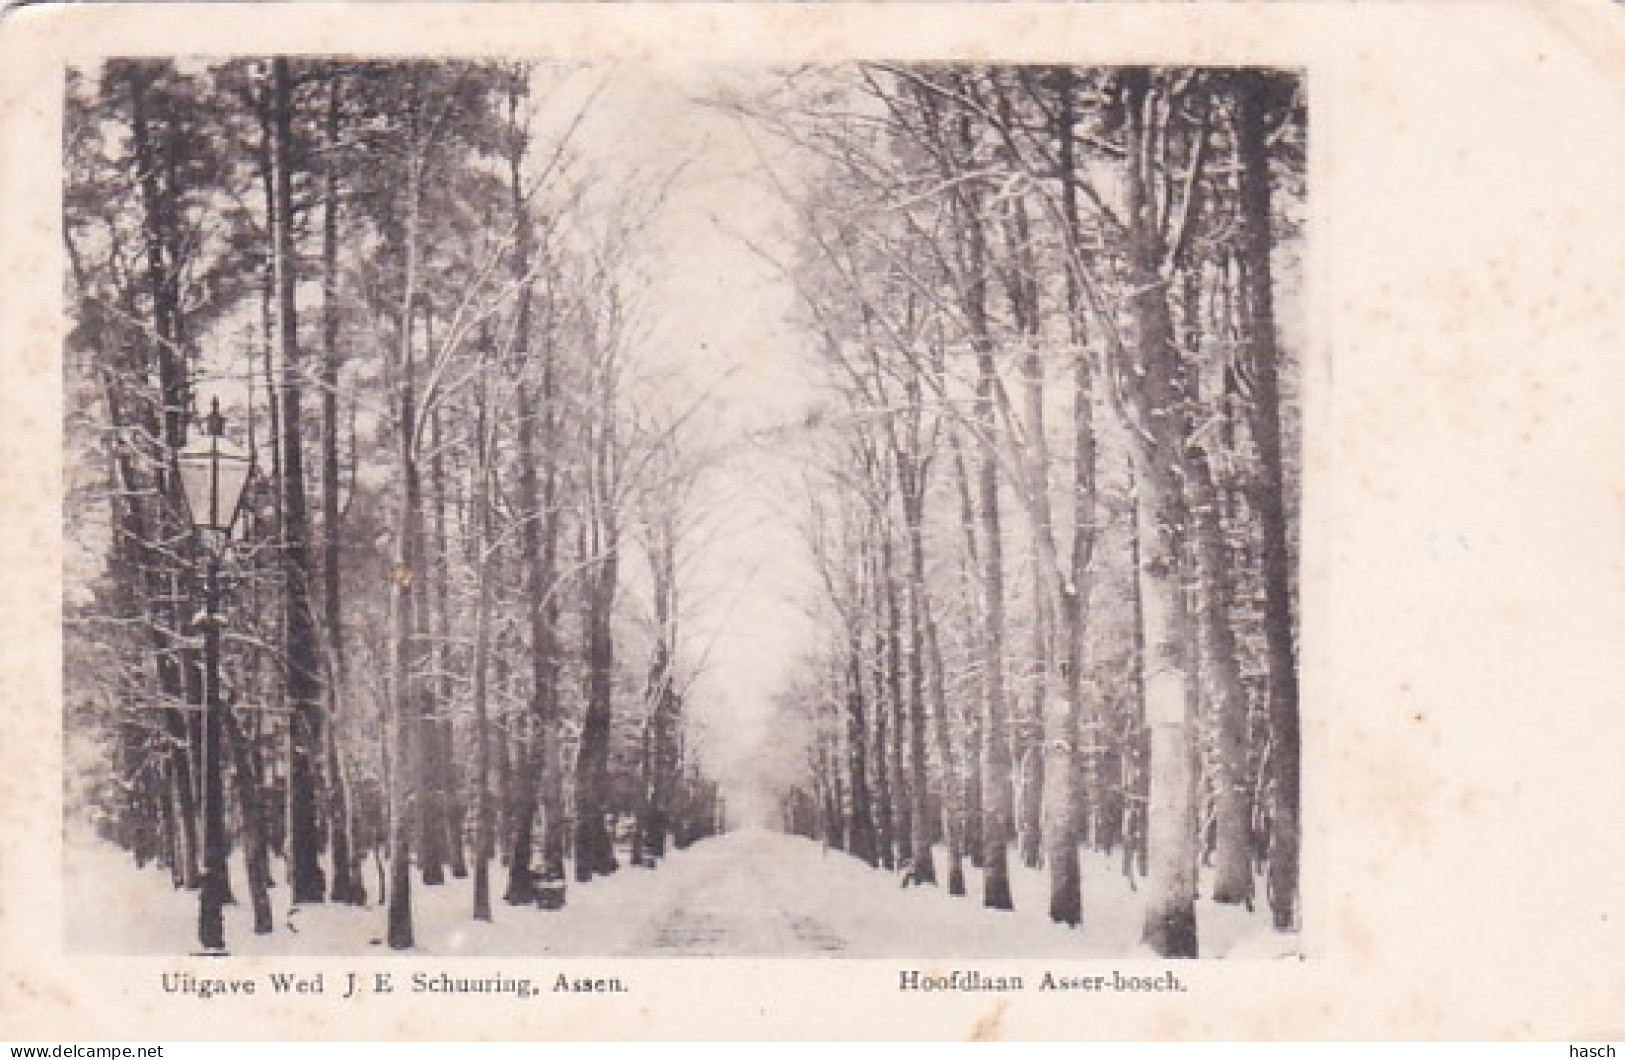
(1053, 497)
(409, 297)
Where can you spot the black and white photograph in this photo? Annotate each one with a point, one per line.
(843, 510)
(653, 521)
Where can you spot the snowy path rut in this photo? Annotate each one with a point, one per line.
(738, 899)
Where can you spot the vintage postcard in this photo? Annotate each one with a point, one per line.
(856, 521)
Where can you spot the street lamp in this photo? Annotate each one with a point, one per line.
(213, 473)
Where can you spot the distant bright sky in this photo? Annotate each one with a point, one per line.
(716, 317)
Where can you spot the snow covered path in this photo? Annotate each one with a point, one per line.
(738, 896)
(750, 893)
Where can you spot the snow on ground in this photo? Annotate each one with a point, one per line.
(748, 893)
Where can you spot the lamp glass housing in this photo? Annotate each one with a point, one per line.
(213, 475)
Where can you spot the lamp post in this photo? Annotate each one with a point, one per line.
(213, 473)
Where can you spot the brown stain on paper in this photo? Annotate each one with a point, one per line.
(990, 1028)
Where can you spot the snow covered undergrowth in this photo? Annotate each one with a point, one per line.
(748, 893)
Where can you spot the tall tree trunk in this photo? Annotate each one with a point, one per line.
(268, 345)
(601, 560)
(554, 833)
(1233, 874)
(953, 811)
(1157, 442)
(407, 573)
(885, 835)
(152, 150)
(1251, 92)
(1021, 280)
(530, 744)
(665, 769)
(594, 851)
(659, 753)
(432, 846)
(997, 797)
(521, 889)
(1074, 762)
(166, 585)
(347, 886)
(542, 551)
(861, 828)
(1170, 927)
(924, 863)
(997, 801)
(503, 732)
(450, 662)
(970, 572)
(403, 777)
(177, 553)
(1062, 730)
(302, 661)
(439, 832)
(1031, 749)
(1135, 773)
(653, 787)
(538, 778)
(902, 796)
(252, 813)
(485, 558)
(829, 749)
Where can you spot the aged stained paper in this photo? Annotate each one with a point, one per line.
(1462, 596)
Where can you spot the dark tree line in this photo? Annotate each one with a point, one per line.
(1055, 498)
(407, 301)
